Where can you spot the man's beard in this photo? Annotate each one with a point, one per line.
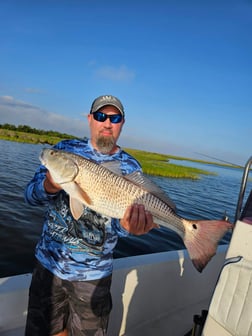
(105, 144)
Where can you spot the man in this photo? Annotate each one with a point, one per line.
(70, 288)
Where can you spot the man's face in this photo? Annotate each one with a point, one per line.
(104, 135)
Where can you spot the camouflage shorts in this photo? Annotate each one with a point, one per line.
(81, 307)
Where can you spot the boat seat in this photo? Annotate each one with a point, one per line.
(231, 305)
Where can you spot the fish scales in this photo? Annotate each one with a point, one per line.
(111, 194)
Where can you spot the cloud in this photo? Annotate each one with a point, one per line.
(6, 99)
(115, 74)
(17, 112)
(34, 91)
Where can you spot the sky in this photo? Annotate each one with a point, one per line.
(182, 69)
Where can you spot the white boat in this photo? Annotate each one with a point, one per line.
(162, 293)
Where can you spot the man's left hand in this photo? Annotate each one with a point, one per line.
(137, 220)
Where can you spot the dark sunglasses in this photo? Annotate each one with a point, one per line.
(114, 118)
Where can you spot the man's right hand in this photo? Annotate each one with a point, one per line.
(50, 186)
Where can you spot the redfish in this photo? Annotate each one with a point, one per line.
(104, 189)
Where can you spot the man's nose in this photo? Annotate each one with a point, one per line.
(107, 122)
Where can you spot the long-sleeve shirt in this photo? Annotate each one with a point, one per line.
(82, 249)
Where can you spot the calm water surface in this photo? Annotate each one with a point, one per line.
(20, 224)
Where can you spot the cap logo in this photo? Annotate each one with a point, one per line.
(107, 98)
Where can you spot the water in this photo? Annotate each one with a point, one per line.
(21, 224)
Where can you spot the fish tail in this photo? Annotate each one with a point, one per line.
(201, 239)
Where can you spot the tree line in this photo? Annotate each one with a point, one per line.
(28, 129)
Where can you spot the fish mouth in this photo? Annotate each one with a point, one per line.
(41, 156)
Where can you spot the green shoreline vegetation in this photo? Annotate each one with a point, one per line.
(152, 163)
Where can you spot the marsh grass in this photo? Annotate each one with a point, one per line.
(158, 165)
(33, 138)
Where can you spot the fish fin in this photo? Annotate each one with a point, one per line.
(142, 181)
(201, 239)
(114, 166)
(77, 198)
(77, 192)
(76, 208)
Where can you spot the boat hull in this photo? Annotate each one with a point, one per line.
(152, 294)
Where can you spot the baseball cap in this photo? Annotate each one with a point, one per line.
(102, 101)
